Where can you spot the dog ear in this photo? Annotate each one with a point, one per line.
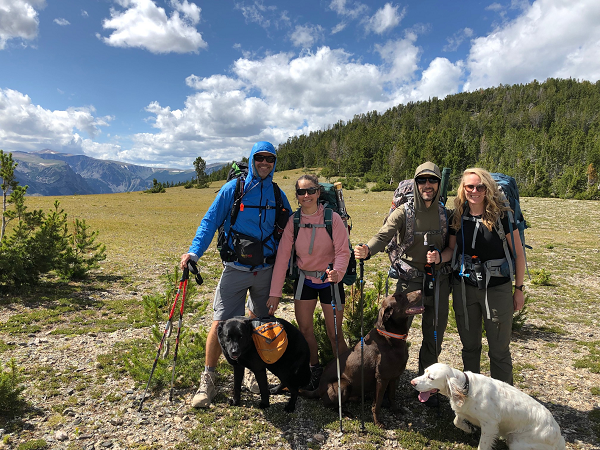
(383, 316)
(456, 392)
(220, 328)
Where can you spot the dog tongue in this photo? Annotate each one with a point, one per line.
(424, 396)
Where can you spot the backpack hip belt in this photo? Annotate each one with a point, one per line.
(315, 274)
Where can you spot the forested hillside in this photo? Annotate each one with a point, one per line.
(546, 135)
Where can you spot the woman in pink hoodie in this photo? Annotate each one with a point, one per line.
(315, 251)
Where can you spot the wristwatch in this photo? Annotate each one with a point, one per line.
(520, 287)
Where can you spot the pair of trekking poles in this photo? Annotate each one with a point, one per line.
(362, 341)
(181, 290)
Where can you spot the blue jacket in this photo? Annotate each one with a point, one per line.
(255, 222)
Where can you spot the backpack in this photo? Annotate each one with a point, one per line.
(270, 339)
(332, 199)
(509, 189)
(239, 171)
(404, 195)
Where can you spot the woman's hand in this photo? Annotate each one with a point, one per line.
(518, 300)
(184, 260)
(333, 276)
(272, 304)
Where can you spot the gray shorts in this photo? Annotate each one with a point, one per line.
(230, 296)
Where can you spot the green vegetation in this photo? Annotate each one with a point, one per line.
(543, 134)
(39, 242)
(11, 389)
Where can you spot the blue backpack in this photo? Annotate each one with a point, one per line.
(508, 187)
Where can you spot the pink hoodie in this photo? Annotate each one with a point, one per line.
(324, 250)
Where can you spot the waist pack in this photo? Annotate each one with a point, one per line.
(270, 339)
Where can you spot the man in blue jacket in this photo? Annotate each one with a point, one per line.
(248, 255)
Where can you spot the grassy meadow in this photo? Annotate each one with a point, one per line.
(145, 234)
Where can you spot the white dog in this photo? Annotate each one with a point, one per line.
(498, 408)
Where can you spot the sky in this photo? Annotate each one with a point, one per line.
(161, 82)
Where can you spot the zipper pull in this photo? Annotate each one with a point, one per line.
(241, 206)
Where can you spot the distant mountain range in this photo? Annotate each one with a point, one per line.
(52, 173)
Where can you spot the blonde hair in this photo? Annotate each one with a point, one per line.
(493, 202)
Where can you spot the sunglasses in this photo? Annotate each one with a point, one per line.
(423, 180)
(310, 190)
(260, 158)
(478, 188)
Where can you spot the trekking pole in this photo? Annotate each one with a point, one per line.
(435, 305)
(337, 347)
(362, 345)
(168, 329)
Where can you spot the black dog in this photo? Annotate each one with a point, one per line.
(385, 356)
(292, 369)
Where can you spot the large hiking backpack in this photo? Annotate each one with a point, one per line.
(508, 187)
(404, 196)
(332, 199)
(239, 171)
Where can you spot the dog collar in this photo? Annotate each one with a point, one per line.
(392, 335)
(466, 386)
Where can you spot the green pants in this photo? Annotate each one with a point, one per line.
(498, 328)
(432, 337)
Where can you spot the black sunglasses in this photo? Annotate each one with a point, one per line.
(260, 158)
(310, 190)
(423, 180)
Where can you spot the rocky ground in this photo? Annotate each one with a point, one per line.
(112, 421)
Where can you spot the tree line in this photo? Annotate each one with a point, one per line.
(546, 135)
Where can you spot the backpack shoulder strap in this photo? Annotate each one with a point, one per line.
(296, 224)
(237, 199)
(502, 234)
(328, 214)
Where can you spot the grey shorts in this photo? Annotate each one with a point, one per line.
(230, 296)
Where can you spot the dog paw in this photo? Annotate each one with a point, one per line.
(289, 407)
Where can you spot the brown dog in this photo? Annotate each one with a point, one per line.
(385, 356)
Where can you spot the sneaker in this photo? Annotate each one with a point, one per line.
(206, 392)
(250, 382)
(315, 378)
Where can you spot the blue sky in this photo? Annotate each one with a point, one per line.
(160, 82)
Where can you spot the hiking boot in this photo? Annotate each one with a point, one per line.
(250, 382)
(315, 378)
(206, 392)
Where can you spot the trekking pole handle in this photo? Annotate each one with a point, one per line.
(432, 249)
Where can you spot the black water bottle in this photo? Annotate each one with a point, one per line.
(478, 271)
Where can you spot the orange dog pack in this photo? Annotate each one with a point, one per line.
(270, 339)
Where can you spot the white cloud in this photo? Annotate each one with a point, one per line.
(84, 13)
(339, 27)
(351, 10)
(26, 126)
(19, 19)
(305, 36)
(440, 79)
(552, 38)
(143, 24)
(385, 19)
(281, 95)
(258, 12)
(457, 39)
(62, 22)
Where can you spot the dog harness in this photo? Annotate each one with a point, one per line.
(392, 335)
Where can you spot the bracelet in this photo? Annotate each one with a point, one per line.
(439, 253)
(520, 288)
